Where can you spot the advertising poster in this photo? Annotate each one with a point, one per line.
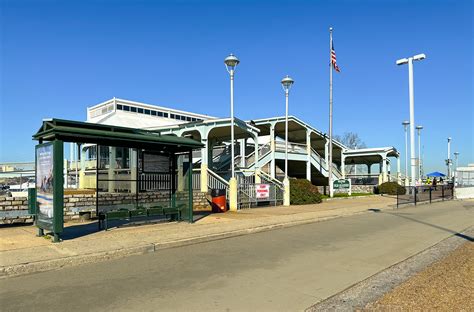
(45, 185)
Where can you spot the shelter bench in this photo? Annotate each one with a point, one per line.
(125, 214)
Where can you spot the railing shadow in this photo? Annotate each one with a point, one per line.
(455, 233)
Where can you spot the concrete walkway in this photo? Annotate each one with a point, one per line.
(21, 252)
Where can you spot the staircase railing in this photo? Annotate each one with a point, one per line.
(268, 178)
(214, 181)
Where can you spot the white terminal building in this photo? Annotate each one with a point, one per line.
(259, 148)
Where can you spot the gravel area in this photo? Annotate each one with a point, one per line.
(359, 296)
(447, 285)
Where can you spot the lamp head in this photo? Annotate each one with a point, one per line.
(449, 139)
(405, 123)
(287, 82)
(231, 62)
(419, 57)
(402, 61)
(419, 127)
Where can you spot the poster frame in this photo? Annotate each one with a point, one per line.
(58, 189)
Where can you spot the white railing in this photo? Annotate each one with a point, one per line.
(196, 179)
(214, 181)
(262, 151)
(268, 178)
(297, 148)
(155, 181)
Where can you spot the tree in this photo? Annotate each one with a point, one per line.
(352, 141)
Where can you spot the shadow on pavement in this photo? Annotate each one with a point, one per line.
(463, 236)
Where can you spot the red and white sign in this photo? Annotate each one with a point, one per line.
(262, 191)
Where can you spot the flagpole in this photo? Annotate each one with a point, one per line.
(331, 187)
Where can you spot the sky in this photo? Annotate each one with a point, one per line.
(59, 57)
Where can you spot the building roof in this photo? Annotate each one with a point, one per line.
(84, 132)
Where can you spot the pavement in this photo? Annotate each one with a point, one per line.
(286, 269)
(21, 252)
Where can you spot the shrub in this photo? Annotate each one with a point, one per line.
(391, 188)
(303, 192)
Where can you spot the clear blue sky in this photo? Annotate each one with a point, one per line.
(58, 57)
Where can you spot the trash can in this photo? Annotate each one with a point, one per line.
(219, 203)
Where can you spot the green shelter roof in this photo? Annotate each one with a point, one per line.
(85, 132)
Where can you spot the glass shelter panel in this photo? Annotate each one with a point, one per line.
(155, 180)
(116, 178)
(184, 194)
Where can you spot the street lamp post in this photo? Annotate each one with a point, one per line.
(448, 160)
(405, 124)
(231, 63)
(409, 61)
(286, 83)
(418, 128)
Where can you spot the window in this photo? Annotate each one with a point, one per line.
(188, 118)
(126, 108)
(119, 106)
(140, 110)
(153, 113)
(165, 115)
(133, 109)
(172, 116)
(160, 114)
(193, 119)
(147, 111)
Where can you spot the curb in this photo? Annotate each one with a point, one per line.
(55, 264)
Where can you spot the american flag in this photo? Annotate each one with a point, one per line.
(333, 59)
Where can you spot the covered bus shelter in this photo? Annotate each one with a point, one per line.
(139, 173)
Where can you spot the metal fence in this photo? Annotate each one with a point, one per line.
(417, 194)
(247, 196)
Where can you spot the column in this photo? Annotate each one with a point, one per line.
(343, 164)
(308, 151)
(111, 171)
(181, 177)
(384, 168)
(133, 169)
(82, 172)
(242, 143)
(272, 148)
(257, 167)
(326, 154)
(204, 164)
(399, 177)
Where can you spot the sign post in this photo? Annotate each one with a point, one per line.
(262, 191)
(49, 188)
(343, 184)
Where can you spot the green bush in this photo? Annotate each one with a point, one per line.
(303, 192)
(391, 188)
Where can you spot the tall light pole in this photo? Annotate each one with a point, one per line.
(409, 61)
(418, 128)
(448, 160)
(405, 124)
(231, 63)
(286, 83)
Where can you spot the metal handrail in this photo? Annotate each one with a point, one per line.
(269, 178)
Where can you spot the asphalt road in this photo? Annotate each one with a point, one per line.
(280, 270)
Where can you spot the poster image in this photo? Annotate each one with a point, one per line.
(44, 184)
